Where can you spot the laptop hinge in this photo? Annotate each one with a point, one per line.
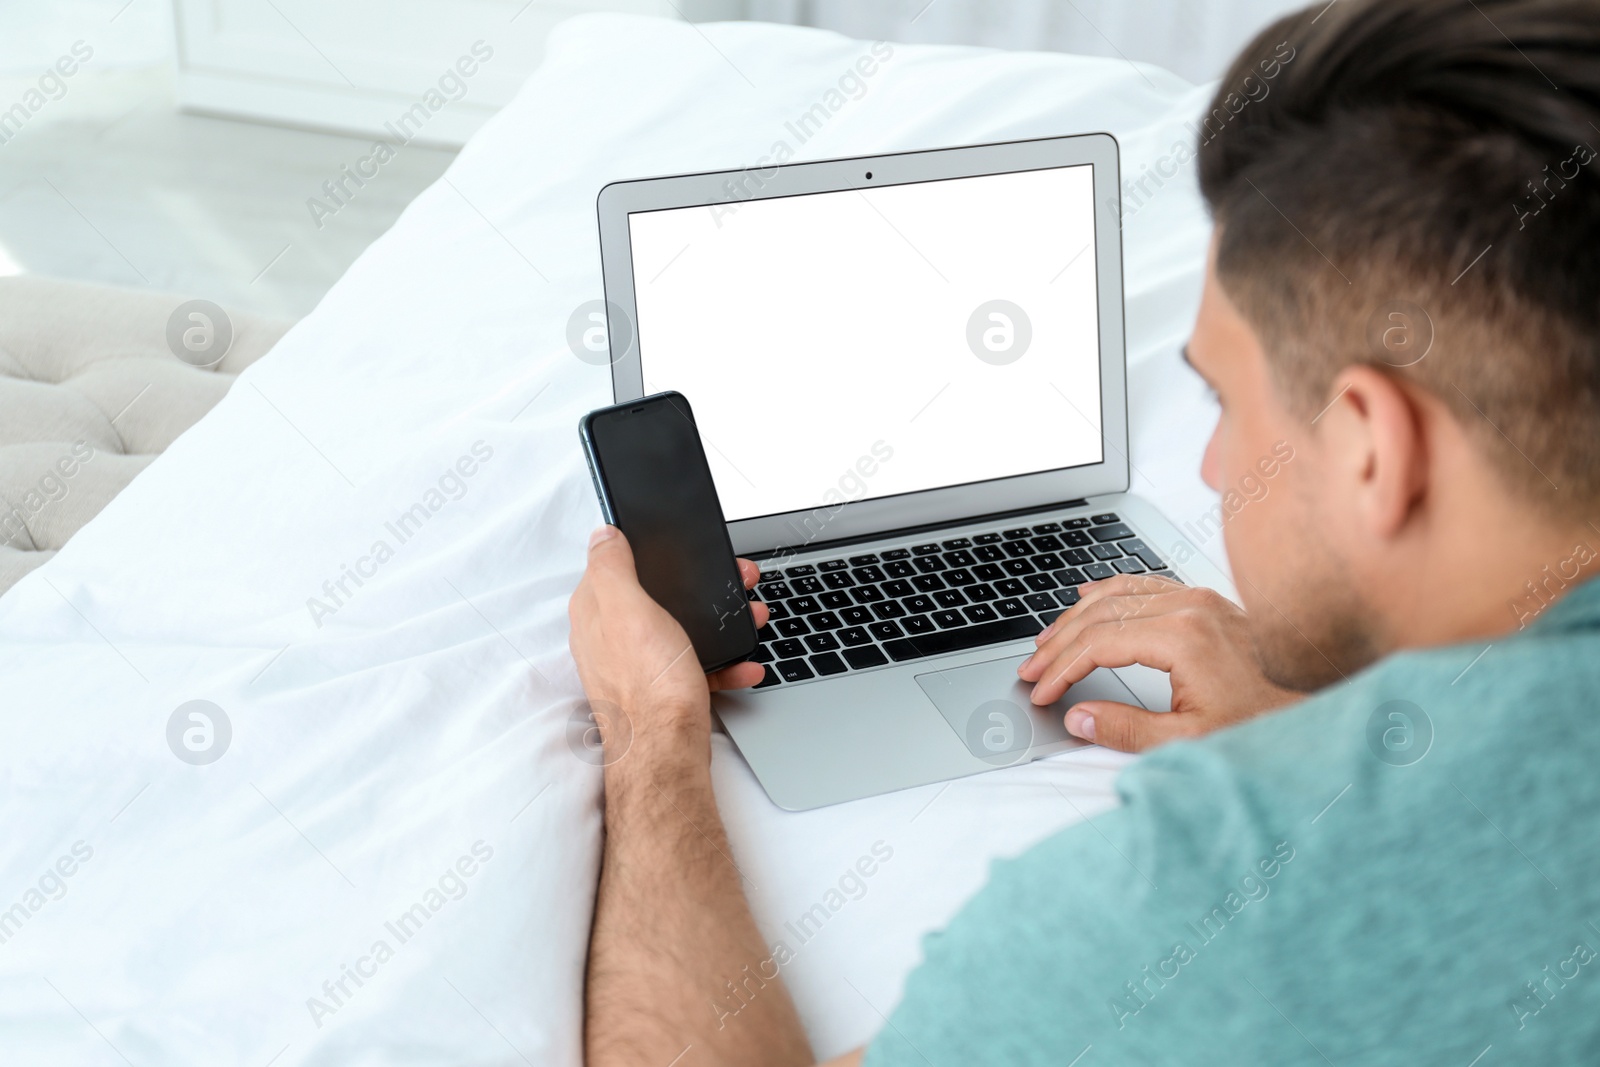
(908, 531)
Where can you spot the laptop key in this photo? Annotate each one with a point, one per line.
(1070, 576)
(835, 600)
(986, 539)
(867, 594)
(1075, 524)
(1169, 574)
(1017, 567)
(1047, 543)
(885, 631)
(807, 585)
(962, 558)
(854, 635)
(889, 609)
(1012, 535)
(828, 663)
(824, 620)
(838, 579)
(1150, 559)
(1048, 617)
(856, 616)
(989, 553)
(794, 670)
(822, 642)
(1129, 566)
(1098, 572)
(833, 565)
(1049, 561)
(1076, 538)
(1037, 582)
(862, 658)
(1106, 552)
(1114, 532)
(918, 624)
(928, 583)
(921, 604)
(897, 553)
(774, 590)
(1010, 587)
(1101, 520)
(899, 569)
(980, 592)
(777, 610)
(898, 588)
(803, 569)
(979, 613)
(1047, 528)
(763, 655)
(959, 577)
(956, 640)
(1010, 607)
(947, 619)
(1077, 557)
(929, 564)
(769, 679)
(804, 605)
(862, 561)
(957, 542)
(924, 550)
(988, 572)
(788, 648)
(868, 573)
(1017, 548)
(1036, 601)
(792, 627)
(949, 598)
(1068, 597)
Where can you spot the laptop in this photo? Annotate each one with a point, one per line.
(909, 375)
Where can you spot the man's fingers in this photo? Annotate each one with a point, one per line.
(750, 573)
(760, 613)
(1125, 727)
(1153, 642)
(1129, 586)
(738, 676)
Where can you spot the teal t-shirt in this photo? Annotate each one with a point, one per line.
(1403, 869)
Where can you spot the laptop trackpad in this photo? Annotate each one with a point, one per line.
(987, 705)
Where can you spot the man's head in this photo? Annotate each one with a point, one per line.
(1404, 286)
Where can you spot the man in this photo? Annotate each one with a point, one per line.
(1399, 868)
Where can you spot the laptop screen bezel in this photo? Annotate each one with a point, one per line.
(859, 519)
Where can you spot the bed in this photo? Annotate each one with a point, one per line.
(297, 781)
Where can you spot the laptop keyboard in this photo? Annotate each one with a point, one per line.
(869, 610)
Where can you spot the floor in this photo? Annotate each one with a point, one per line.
(111, 183)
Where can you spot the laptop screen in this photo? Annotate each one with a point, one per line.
(861, 344)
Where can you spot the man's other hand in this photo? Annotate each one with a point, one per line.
(1197, 636)
(629, 651)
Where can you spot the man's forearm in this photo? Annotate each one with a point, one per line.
(672, 927)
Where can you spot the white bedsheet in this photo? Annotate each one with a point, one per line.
(403, 749)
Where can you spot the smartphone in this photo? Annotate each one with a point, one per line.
(654, 484)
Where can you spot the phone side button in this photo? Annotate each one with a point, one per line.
(770, 679)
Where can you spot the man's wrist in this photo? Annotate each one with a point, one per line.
(660, 744)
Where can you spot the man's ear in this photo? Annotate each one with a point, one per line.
(1373, 435)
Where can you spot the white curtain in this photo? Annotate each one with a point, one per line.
(1196, 39)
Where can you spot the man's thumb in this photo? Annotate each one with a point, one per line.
(1119, 726)
(608, 548)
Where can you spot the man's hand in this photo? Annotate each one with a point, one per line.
(1197, 636)
(633, 655)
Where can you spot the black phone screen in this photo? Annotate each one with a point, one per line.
(651, 473)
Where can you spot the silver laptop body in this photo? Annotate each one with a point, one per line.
(909, 374)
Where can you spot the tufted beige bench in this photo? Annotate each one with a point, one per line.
(94, 383)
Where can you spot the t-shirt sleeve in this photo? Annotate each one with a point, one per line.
(1112, 933)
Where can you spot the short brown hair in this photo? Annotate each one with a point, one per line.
(1427, 165)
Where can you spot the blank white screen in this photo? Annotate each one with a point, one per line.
(806, 329)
